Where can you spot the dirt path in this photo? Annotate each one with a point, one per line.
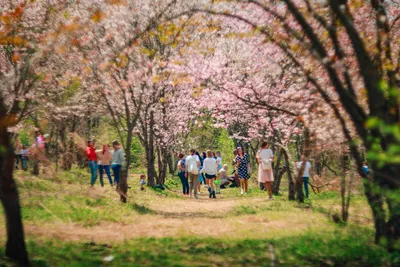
(173, 218)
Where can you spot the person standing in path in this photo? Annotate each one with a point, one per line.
(92, 158)
(104, 157)
(181, 174)
(117, 160)
(265, 157)
(306, 173)
(242, 164)
(210, 170)
(192, 172)
(24, 158)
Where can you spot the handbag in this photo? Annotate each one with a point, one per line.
(266, 164)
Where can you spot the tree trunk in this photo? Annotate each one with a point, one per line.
(291, 185)
(150, 155)
(123, 182)
(345, 210)
(375, 200)
(278, 173)
(278, 178)
(393, 225)
(162, 156)
(171, 164)
(15, 246)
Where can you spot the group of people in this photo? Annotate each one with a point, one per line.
(22, 152)
(101, 160)
(193, 169)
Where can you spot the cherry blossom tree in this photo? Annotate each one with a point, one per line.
(347, 53)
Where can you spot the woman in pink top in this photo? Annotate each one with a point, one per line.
(104, 157)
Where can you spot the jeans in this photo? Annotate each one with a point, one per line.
(105, 168)
(193, 180)
(93, 171)
(24, 162)
(116, 170)
(185, 183)
(305, 182)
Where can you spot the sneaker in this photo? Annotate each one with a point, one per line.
(270, 198)
(245, 193)
(199, 193)
(196, 197)
(205, 186)
(241, 191)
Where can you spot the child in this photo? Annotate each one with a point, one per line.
(217, 183)
(142, 181)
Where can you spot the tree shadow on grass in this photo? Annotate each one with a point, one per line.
(141, 209)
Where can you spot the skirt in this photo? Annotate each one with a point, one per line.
(210, 176)
(265, 175)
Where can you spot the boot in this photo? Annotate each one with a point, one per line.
(210, 191)
(213, 194)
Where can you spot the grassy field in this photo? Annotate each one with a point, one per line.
(67, 224)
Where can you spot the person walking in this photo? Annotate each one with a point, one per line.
(104, 157)
(24, 158)
(265, 157)
(181, 174)
(92, 158)
(242, 165)
(117, 159)
(192, 172)
(210, 170)
(306, 172)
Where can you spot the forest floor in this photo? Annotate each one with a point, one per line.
(68, 224)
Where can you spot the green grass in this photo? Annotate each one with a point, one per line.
(258, 230)
(344, 247)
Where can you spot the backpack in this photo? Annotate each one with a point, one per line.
(192, 168)
(266, 164)
(183, 163)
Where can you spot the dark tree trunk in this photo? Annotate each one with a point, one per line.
(123, 183)
(15, 246)
(291, 185)
(171, 164)
(278, 172)
(387, 222)
(278, 178)
(375, 201)
(162, 165)
(150, 153)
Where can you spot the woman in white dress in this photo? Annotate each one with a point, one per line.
(265, 157)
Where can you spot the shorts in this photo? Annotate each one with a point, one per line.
(210, 176)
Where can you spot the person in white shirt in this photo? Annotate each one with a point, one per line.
(219, 160)
(210, 170)
(192, 172)
(265, 157)
(306, 172)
